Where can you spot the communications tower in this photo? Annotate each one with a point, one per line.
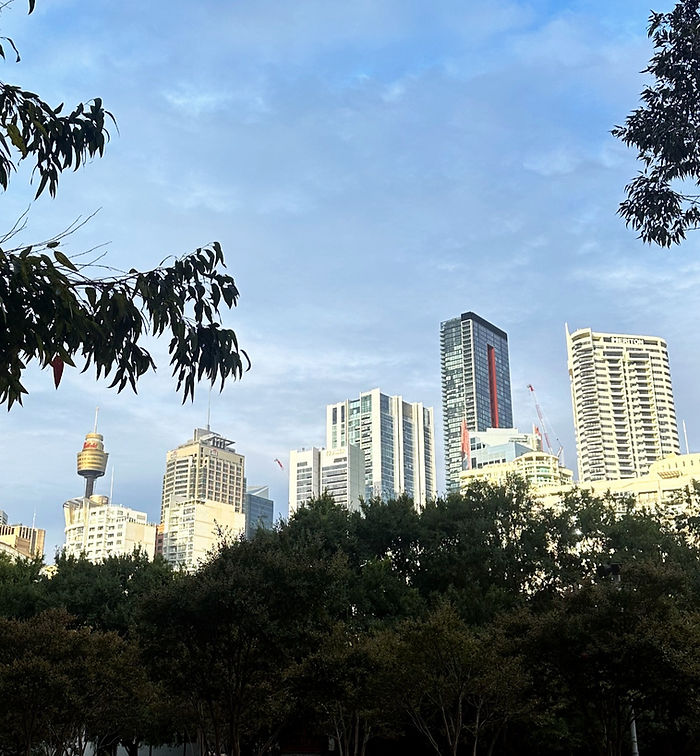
(92, 459)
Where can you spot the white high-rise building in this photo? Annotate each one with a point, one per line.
(98, 529)
(622, 398)
(339, 472)
(398, 441)
(202, 501)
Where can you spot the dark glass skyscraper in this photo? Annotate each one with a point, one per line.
(475, 384)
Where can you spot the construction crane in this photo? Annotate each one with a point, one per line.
(543, 425)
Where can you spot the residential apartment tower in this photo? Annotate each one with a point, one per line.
(622, 399)
(397, 439)
(338, 472)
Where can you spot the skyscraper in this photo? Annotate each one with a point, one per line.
(622, 399)
(397, 439)
(475, 384)
(205, 468)
(202, 498)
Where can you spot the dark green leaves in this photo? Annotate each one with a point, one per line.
(53, 142)
(661, 202)
(52, 310)
(12, 45)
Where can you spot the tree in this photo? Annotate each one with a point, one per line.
(343, 683)
(606, 650)
(107, 595)
(458, 685)
(487, 548)
(21, 586)
(222, 639)
(63, 686)
(666, 132)
(54, 311)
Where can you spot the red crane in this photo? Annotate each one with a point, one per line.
(543, 425)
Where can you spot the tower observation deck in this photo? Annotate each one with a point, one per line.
(92, 460)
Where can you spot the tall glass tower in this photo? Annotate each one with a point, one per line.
(475, 384)
(396, 438)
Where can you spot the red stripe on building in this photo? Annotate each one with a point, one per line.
(493, 388)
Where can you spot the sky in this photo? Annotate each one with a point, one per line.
(371, 169)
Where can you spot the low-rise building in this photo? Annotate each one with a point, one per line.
(22, 540)
(668, 482)
(540, 470)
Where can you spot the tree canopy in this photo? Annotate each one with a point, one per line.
(477, 625)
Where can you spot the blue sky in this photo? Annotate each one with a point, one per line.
(371, 168)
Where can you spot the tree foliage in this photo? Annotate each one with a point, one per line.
(55, 311)
(478, 625)
(661, 203)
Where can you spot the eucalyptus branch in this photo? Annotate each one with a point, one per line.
(50, 311)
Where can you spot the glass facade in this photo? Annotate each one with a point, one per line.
(258, 509)
(396, 439)
(475, 383)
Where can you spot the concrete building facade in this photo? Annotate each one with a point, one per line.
(23, 540)
(668, 484)
(539, 469)
(205, 468)
(202, 500)
(397, 439)
(191, 531)
(476, 390)
(339, 472)
(622, 400)
(96, 528)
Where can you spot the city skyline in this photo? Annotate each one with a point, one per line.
(370, 170)
(280, 508)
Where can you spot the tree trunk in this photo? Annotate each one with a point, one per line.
(477, 724)
(131, 746)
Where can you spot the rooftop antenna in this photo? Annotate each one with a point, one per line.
(97, 412)
(32, 544)
(685, 435)
(209, 410)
